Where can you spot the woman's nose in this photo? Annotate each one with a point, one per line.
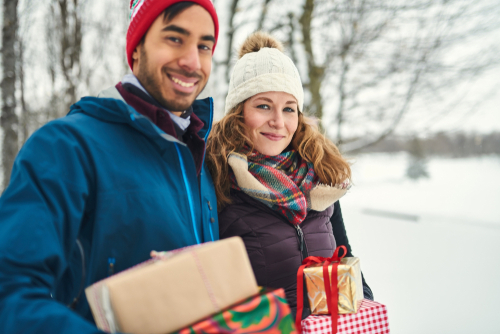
(277, 120)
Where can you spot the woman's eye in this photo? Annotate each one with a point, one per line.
(263, 106)
(288, 109)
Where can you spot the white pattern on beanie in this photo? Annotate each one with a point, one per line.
(135, 5)
(268, 70)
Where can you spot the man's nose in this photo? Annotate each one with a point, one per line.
(190, 59)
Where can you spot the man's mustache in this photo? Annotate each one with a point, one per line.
(184, 73)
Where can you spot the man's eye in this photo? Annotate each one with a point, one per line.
(174, 39)
(205, 47)
(263, 106)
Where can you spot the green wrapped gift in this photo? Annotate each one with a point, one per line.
(268, 312)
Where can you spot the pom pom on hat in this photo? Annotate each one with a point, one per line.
(263, 67)
(144, 12)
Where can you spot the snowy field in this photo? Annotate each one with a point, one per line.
(429, 249)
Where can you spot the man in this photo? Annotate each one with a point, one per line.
(91, 194)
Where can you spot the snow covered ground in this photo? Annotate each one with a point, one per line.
(437, 265)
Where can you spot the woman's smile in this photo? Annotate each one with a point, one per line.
(272, 136)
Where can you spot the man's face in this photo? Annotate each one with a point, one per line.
(175, 61)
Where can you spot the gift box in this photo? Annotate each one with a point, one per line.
(349, 286)
(268, 312)
(370, 319)
(174, 290)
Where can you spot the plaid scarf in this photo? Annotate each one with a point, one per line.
(284, 182)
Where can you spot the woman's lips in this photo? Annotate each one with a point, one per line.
(273, 137)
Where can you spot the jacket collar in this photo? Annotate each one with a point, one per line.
(110, 106)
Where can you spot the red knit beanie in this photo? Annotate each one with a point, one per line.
(144, 12)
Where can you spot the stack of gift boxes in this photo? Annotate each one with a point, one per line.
(345, 307)
(210, 288)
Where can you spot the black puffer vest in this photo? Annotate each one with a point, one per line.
(275, 247)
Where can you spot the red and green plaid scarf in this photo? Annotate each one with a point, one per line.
(287, 180)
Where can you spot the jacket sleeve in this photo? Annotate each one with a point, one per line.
(40, 212)
(340, 235)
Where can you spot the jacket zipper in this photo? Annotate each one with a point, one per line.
(304, 253)
(302, 243)
(188, 190)
(111, 266)
(203, 161)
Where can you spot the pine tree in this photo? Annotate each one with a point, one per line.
(417, 163)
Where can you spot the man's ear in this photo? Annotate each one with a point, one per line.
(135, 53)
(135, 56)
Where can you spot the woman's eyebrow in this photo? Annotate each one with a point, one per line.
(264, 98)
(271, 101)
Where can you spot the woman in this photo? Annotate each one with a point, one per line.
(277, 178)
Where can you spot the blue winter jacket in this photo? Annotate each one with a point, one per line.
(107, 176)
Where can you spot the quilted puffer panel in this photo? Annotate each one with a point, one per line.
(272, 242)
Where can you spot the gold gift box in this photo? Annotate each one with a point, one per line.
(350, 286)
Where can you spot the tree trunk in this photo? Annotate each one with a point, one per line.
(230, 34)
(263, 14)
(71, 46)
(316, 73)
(9, 120)
(342, 96)
(25, 114)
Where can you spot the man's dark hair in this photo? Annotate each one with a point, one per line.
(170, 13)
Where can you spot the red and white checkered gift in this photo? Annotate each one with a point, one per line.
(370, 319)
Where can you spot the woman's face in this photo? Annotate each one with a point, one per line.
(271, 119)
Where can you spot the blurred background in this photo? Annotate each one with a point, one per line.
(408, 89)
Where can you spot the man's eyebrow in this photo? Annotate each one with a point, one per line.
(209, 38)
(175, 28)
(182, 31)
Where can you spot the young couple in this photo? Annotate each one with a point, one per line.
(140, 168)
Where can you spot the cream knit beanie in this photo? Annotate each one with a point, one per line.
(263, 67)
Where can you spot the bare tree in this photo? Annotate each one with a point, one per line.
(69, 22)
(9, 119)
(383, 56)
(25, 113)
(315, 72)
(231, 29)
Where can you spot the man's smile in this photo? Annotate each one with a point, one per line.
(184, 83)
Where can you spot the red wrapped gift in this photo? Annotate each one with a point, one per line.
(266, 313)
(370, 319)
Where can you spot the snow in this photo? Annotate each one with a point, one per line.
(439, 273)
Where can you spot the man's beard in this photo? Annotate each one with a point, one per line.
(152, 85)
